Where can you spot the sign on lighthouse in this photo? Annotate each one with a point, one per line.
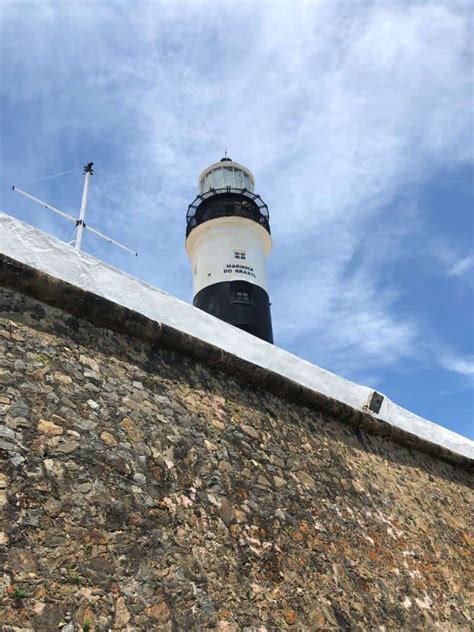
(228, 240)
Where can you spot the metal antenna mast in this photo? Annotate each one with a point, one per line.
(88, 172)
(80, 223)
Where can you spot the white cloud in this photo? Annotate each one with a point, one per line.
(458, 364)
(461, 266)
(450, 261)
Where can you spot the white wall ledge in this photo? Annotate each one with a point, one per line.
(32, 247)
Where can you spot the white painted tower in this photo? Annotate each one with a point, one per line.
(228, 240)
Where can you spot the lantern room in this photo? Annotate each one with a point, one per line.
(226, 173)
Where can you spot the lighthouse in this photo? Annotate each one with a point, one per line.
(228, 240)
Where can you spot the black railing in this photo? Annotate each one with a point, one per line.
(227, 202)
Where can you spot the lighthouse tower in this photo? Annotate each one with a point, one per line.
(228, 239)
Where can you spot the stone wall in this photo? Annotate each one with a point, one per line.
(143, 490)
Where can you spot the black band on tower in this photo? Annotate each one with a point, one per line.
(238, 303)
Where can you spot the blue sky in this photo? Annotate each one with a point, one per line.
(356, 119)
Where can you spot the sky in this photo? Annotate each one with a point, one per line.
(356, 118)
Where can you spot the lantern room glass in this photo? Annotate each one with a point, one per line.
(226, 176)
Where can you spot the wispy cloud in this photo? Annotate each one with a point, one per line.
(458, 364)
(462, 266)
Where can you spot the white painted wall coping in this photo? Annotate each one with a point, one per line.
(41, 251)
